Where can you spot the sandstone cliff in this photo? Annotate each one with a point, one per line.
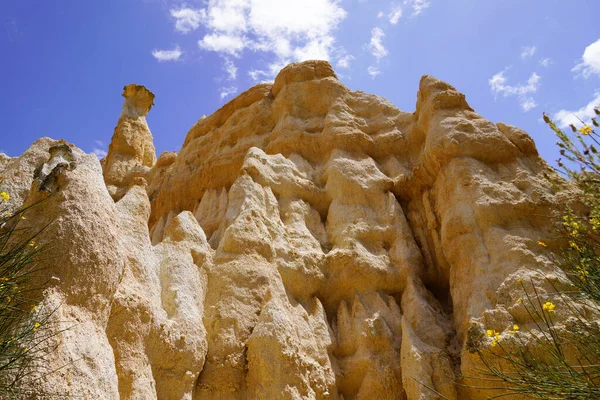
(307, 242)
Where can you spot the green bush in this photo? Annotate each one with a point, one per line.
(547, 360)
(25, 329)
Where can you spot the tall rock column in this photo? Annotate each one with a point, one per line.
(131, 151)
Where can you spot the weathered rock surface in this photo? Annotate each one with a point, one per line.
(307, 242)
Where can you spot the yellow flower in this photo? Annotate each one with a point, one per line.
(586, 130)
(494, 343)
(36, 326)
(32, 243)
(520, 300)
(34, 308)
(5, 196)
(494, 335)
(9, 214)
(22, 217)
(515, 327)
(542, 244)
(549, 306)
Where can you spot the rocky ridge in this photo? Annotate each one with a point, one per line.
(306, 242)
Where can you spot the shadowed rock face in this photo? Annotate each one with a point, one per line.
(307, 242)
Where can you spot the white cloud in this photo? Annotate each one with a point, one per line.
(528, 103)
(377, 48)
(223, 43)
(99, 153)
(527, 51)
(268, 74)
(227, 91)
(231, 69)
(344, 61)
(395, 14)
(380, 14)
(167, 55)
(524, 91)
(291, 31)
(187, 19)
(418, 5)
(590, 61)
(99, 143)
(373, 71)
(564, 118)
(546, 62)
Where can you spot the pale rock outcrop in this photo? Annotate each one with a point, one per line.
(131, 151)
(306, 242)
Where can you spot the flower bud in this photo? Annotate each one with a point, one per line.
(573, 128)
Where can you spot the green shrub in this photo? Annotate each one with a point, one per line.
(25, 328)
(548, 360)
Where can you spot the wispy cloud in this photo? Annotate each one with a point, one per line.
(373, 71)
(230, 68)
(227, 91)
(99, 153)
(395, 14)
(546, 62)
(344, 61)
(187, 19)
(377, 49)
(418, 6)
(527, 51)
(566, 117)
(524, 91)
(375, 45)
(167, 55)
(590, 61)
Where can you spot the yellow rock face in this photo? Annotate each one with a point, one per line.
(307, 242)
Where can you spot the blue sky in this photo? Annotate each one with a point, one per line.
(65, 62)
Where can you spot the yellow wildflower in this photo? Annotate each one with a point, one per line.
(22, 217)
(9, 214)
(542, 244)
(549, 306)
(520, 300)
(32, 243)
(5, 196)
(34, 308)
(515, 329)
(36, 326)
(494, 343)
(490, 333)
(586, 130)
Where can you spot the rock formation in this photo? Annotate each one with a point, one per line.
(307, 242)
